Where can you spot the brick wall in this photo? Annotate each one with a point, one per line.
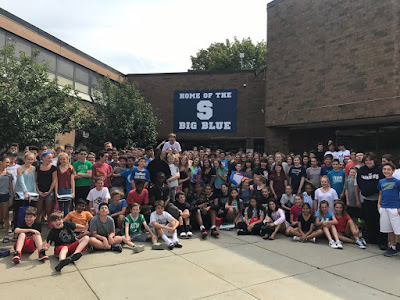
(332, 60)
(158, 89)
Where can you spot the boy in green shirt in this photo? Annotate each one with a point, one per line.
(134, 223)
(83, 170)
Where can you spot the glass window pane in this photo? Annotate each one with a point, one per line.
(2, 38)
(81, 75)
(64, 81)
(20, 45)
(82, 88)
(47, 57)
(65, 68)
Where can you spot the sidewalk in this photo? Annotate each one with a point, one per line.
(231, 267)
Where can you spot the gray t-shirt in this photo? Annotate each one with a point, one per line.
(350, 187)
(5, 183)
(103, 229)
(313, 176)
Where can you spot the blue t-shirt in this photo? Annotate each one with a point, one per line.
(127, 175)
(327, 217)
(117, 208)
(144, 175)
(337, 180)
(325, 170)
(225, 163)
(390, 192)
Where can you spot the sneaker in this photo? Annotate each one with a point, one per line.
(42, 255)
(360, 244)
(313, 240)
(390, 252)
(339, 245)
(157, 246)
(171, 246)
(214, 232)
(364, 241)
(383, 247)
(63, 263)
(333, 245)
(17, 257)
(76, 256)
(6, 239)
(116, 248)
(189, 234)
(90, 248)
(183, 235)
(10, 230)
(398, 246)
(177, 245)
(296, 238)
(138, 248)
(241, 232)
(204, 233)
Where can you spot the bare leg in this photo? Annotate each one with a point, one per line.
(5, 214)
(82, 244)
(37, 238)
(20, 242)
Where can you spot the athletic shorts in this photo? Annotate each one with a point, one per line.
(29, 246)
(5, 198)
(389, 220)
(166, 232)
(139, 237)
(71, 248)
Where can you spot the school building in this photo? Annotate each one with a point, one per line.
(333, 73)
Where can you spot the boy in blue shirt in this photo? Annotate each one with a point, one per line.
(140, 173)
(389, 206)
(328, 165)
(337, 178)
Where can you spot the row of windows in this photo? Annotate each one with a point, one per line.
(67, 72)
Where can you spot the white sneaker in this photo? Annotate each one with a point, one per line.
(183, 235)
(360, 244)
(138, 248)
(332, 244)
(339, 245)
(189, 234)
(296, 238)
(313, 240)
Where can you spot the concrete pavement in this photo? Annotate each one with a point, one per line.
(231, 267)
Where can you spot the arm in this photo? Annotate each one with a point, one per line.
(161, 144)
(271, 187)
(53, 183)
(20, 230)
(333, 221)
(357, 192)
(88, 174)
(379, 200)
(281, 217)
(318, 221)
(122, 212)
(73, 185)
(127, 231)
(301, 185)
(11, 188)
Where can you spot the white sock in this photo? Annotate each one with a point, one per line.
(393, 247)
(166, 239)
(202, 227)
(175, 237)
(212, 227)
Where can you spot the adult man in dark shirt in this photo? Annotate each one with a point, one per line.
(158, 165)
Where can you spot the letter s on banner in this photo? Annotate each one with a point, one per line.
(205, 111)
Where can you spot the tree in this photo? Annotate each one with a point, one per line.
(119, 115)
(33, 108)
(226, 57)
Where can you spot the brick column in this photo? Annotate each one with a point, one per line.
(276, 139)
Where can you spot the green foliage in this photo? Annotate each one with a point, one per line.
(119, 115)
(226, 57)
(33, 108)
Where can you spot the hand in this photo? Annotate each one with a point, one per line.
(105, 243)
(271, 224)
(359, 204)
(379, 207)
(73, 195)
(93, 211)
(398, 211)
(171, 229)
(347, 203)
(303, 238)
(10, 203)
(57, 195)
(45, 246)
(41, 194)
(127, 237)
(295, 223)
(35, 232)
(46, 194)
(111, 241)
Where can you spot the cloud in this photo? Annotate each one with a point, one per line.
(144, 36)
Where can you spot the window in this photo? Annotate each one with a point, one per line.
(2, 38)
(64, 81)
(47, 57)
(20, 45)
(81, 75)
(65, 68)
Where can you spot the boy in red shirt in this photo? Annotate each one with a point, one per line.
(102, 169)
(140, 195)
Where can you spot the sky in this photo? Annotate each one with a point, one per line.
(144, 36)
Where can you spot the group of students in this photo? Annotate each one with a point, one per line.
(134, 195)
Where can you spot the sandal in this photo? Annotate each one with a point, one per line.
(271, 238)
(266, 237)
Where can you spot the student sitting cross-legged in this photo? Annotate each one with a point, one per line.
(102, 230)
(66, 247)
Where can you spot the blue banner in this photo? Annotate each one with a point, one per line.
(205, 110)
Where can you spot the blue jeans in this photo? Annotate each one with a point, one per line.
(65, 204)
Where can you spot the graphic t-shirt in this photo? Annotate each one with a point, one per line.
(295, 174)
(98, 197)
(136, 175)
(62, 236)
(135, 224)
(296, 211)
(325, 170)
(327, 217)
(102, 170)
(82, 167)
(390, 189)
(337, 180)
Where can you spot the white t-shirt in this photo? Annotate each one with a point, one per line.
(98, 197)
(330, 196)
(175, 146)
(163, 219)
(13, 171)
(334, 154)
(174, 169)
(342, 154)
(396, 174)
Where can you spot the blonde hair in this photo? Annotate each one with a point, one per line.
(327, 178)
(64, 154)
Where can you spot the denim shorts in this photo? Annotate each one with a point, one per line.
(49, 197)
(5, 198)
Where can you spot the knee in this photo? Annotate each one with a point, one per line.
(85, 239)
